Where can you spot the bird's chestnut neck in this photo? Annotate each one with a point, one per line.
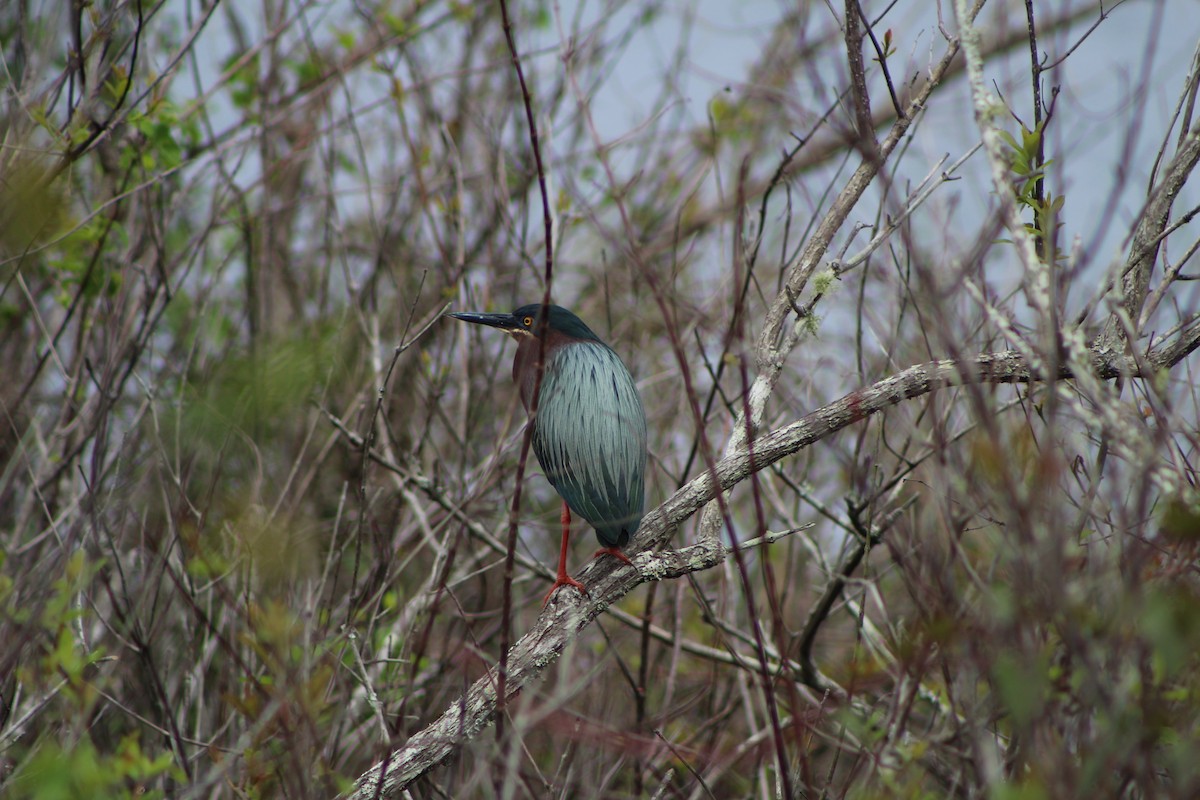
(525, 364)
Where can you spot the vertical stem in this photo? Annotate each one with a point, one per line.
(509, 559)
(1035, 72)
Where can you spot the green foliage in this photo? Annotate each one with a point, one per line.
(541, 18)
(244, 81)
(345, 38)
(308, 71)
(33, 206)
(54, 771)
(65, 662)
(462, 11)
(889, 47)
(73, 262)
(1028, 788)
(259, 391)
(1181, 521)
(732, 121)
(159, 148)
(1047, 209)
(1022, 684)
(67, 764)
(1169, 622)
(397, 25)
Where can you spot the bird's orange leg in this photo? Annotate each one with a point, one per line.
(615, 552)
(563, 578)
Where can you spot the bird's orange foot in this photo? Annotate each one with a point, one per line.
(615, 552)
(562, 580)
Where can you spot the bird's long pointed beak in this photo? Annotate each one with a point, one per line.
(504, 322)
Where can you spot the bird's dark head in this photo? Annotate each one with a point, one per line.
(527, 321)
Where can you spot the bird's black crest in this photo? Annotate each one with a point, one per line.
(559, 320)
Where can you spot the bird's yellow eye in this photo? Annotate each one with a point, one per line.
(527, 321)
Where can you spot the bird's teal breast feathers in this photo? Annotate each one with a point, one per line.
(590, 438)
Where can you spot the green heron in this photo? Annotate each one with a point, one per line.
(589, 433)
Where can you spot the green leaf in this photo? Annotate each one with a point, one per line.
(1023, 686)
